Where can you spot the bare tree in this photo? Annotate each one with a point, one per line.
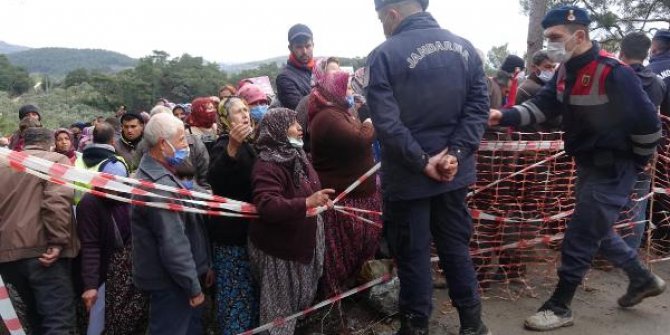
(613, 19)
(536, 11)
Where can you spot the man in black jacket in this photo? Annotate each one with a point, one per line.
(634, 50)
(294, 82)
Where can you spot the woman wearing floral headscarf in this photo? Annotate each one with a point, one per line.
(341, 148)
(232, 160)
(63, 144)
(286, 247)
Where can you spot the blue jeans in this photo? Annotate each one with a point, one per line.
(409, 228)
(639, 211)
(171, 314)
(601, 195)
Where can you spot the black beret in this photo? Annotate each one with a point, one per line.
(662, 34)
(566, 15)
(379, 4)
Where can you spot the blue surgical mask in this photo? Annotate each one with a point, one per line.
(257, 112)
(296, 142)
(350, 101)
(178, 157)
(188, 184)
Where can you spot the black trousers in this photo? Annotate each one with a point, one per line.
(409, 228)
(46, 292)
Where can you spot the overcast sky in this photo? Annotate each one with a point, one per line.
(240, 30)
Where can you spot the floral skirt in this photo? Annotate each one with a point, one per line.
(126, 307)
(286, 287)
(349, 244)
(236, 294)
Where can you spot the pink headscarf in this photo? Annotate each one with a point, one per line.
(330, 90)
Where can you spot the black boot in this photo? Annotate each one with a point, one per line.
(471, 321)
(413, 325)
(643, 284)
(555, 313)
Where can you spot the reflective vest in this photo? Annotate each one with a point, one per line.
(79, 164)
(588, 119)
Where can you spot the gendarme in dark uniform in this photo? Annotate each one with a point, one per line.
(659, 63)
(427, 92)
(611, 129)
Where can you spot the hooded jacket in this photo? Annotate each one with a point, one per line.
(427, 92)
(651, 83)
(660, 64)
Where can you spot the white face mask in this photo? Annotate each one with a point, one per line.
(546, 76)
(296, 142)
(557, 51)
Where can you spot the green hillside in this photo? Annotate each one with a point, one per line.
(60, 61)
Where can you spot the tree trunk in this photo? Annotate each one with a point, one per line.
(538, 8)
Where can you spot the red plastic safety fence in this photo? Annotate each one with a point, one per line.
(658, 235)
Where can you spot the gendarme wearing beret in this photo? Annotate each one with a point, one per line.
(566, 15)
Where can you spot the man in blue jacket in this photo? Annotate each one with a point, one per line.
(294, 81)
(611, 129)
(429, 103)
(659, 63)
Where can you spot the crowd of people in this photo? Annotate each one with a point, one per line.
(423, 114)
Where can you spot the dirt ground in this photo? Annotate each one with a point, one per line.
(506, 306)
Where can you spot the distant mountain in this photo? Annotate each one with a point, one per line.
(60, 61)
(6, 48)
(237, 68)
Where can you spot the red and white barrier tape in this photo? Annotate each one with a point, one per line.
(21, 161)
(364, 211)
(547, 239)
(281, 321)
(476, 215)
(358, 182)
(370, 222)
(69, 175)
(8, 313)
(171, 206)
(521, 146)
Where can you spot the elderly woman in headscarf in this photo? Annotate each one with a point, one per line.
(63, 140)
(285, 245)
(232, 160)
(341, 153)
